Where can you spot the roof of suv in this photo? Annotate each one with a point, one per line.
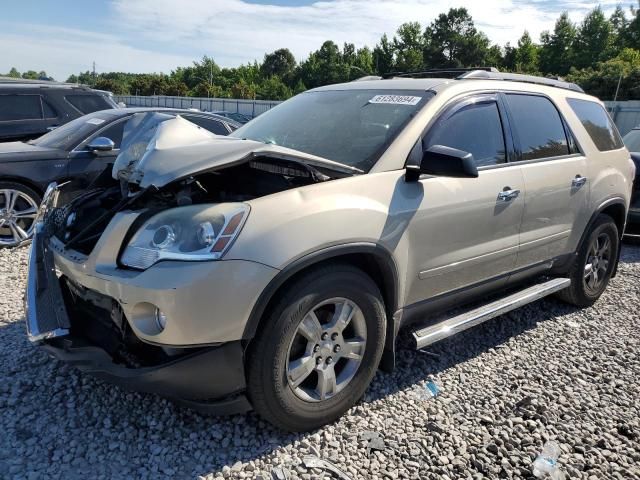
(433, 81)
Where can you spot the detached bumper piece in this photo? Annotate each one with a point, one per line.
(210, 380)
(45, 311)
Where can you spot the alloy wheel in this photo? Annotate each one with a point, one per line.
(17, 217)
(326, 349)
(597, 265)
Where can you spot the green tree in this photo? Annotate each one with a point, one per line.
(280, 63)
(117, 88)
(13, 73)
(526, 55)
(556, 53)
(273, 89)
(594, 40)
(603, 80)
(383, 56)
(408, 45)
(452, 40)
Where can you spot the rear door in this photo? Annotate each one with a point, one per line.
(466, 230)
(555, 175)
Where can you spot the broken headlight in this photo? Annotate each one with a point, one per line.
(193, 233)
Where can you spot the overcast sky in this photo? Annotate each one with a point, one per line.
(66, 36)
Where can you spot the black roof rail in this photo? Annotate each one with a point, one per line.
(29, 81)
(438, 72)
(478, 74)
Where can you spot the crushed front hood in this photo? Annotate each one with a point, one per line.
(157, 150)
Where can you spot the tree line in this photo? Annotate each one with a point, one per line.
(601, 54)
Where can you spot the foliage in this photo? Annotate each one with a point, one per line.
(596, 54)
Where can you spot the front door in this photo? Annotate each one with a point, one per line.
(466, 230)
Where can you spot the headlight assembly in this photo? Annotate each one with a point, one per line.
(193, 233)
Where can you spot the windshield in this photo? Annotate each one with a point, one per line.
(351, 127)
(69, 135)
(632, 140)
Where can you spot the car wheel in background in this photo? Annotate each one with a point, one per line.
(18, 209)
(318, 350)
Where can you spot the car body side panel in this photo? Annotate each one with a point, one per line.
(556, 212)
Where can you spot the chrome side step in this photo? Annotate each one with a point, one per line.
(434, 333)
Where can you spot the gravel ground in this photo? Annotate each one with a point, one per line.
(547, 371)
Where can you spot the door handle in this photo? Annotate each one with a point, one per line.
(578, 181)
(508, 194)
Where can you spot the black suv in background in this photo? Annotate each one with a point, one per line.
(29, 109)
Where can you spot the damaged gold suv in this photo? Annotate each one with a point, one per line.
(272, 269)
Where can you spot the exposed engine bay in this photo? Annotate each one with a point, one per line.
(80, 223)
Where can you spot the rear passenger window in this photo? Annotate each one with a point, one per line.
(476, 129)
(538, 126)
(20, 107)
(88, 103)
(597, 123)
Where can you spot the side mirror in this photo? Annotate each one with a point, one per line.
(445, 162)
(101, 144)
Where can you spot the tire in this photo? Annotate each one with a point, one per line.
(16, 226)
(583, 292)
(280, 346)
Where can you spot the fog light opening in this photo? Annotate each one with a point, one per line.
(161, 319)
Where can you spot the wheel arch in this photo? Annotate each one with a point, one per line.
(616, 209)
(374, 259)
(23, 181)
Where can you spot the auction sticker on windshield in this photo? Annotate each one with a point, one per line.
(396, 99)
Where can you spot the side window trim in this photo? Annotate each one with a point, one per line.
(569, 137)
(459, 103)
(83, 143)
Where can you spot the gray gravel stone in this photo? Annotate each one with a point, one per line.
(545, 372)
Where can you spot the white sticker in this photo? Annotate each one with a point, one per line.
(396, 99)
(95, 121)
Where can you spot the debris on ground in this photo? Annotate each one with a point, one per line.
(311, 461)
(374, 441)
(546, 464)
(427, 391)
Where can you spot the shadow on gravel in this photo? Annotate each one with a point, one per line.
(55, 419)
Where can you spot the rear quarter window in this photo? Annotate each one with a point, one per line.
(20, 107)
(597, 123)
(88, 103)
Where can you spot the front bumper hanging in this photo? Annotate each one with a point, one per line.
(209, 379)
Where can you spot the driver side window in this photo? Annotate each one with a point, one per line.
(475, 128)
(114, 132)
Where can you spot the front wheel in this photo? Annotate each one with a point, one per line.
(318, 350)
(594, 264)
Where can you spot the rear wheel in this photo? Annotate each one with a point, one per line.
(18, 209)
(319, 349)
(594, 265)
